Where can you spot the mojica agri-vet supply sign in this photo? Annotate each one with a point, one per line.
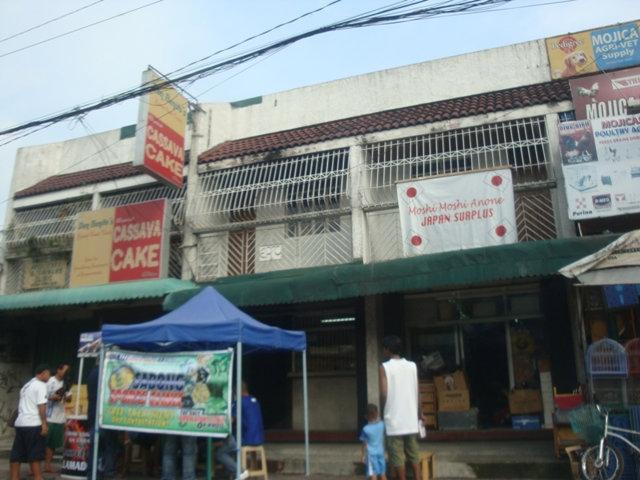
(184, 393)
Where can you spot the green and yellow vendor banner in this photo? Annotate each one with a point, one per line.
(187, 393)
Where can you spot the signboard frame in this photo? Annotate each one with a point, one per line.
(105, 353)
(174, 139)
(109, 217)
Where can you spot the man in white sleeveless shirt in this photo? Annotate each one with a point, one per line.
(400, 401)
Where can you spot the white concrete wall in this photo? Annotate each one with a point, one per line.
(459, 76)
(36, 163)
(333, 403)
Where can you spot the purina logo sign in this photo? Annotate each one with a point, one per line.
(457, 212)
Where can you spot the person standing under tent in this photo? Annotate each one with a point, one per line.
(31, 425)
(400, 401)
(57, 394)
(189, 447)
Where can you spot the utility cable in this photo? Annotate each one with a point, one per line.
(35, 27)
(400, 15)
(46, 40)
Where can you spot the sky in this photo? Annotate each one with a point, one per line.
(109, 57)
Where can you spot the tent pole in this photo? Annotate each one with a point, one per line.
(96, 427)
(239, 409)
(305, 393)
(76, 409)
(209, 462)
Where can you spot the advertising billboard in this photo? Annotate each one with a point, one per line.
(124, 243)
(162, 121)
(457, 212)
(186, 393)
(601, 166)
(606, 94)
(590, 51)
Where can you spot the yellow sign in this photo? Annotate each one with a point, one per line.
(603, 49)
(92, 248)
(40, 274)
(162, 120)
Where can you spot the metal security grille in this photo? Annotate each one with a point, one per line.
(534, 215)
(175, 196)
(42, 225)
(270, 247)
(518, 144)
(272, 190)
(242, 252)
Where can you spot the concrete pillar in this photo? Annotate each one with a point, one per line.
(96, 201)
(373, 320)
(358, 223)
(189, 239)
(564, 226)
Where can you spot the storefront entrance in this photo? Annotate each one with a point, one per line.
(496, 337)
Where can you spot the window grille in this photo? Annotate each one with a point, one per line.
(175, 197)
(45, 223)
(518, 144)
(331, 347)
(273, 190)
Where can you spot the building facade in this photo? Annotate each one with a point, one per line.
(290, 209)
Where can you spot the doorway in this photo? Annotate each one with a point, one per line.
(486, 361)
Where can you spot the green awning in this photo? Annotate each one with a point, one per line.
(448, 269)
(113, 292)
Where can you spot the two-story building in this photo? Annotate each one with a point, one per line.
(290, 210)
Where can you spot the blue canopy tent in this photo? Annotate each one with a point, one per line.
(209, 321)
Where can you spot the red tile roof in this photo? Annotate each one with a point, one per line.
(78, 179)
(391, 119)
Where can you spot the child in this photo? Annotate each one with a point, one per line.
(372, 438)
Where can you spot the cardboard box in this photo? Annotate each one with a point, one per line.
(525, 401)
(451, 381)
(453, 400)
(70, 407)
(452, 392)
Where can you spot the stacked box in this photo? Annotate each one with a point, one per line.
(428, 405)
(525, 401)
(452, 392)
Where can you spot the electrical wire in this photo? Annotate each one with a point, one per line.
(400, 13)
(35, 27)
(55, 37)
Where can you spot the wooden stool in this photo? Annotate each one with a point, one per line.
(257, 451)
(427, 466)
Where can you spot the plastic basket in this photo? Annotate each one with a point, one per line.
(587, 423)
(607, 358)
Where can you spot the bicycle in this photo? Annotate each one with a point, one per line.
(604, 461)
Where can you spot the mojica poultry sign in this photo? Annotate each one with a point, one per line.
(124, 243)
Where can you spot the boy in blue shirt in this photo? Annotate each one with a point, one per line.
(372, 438)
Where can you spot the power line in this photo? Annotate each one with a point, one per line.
(46, 40)
(392, 14)
(35, 27)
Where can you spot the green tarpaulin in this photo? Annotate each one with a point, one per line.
(112, 292)
(449, 269)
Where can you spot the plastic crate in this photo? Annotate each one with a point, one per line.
(526, 422)
(607, 358)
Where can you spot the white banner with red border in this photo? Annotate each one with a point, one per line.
(457, 212)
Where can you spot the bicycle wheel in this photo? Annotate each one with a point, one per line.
(611, 467)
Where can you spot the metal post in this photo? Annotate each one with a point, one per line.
(76, 409)
(305, 394)
(209, 462)
(239, 409)
(96, 434)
